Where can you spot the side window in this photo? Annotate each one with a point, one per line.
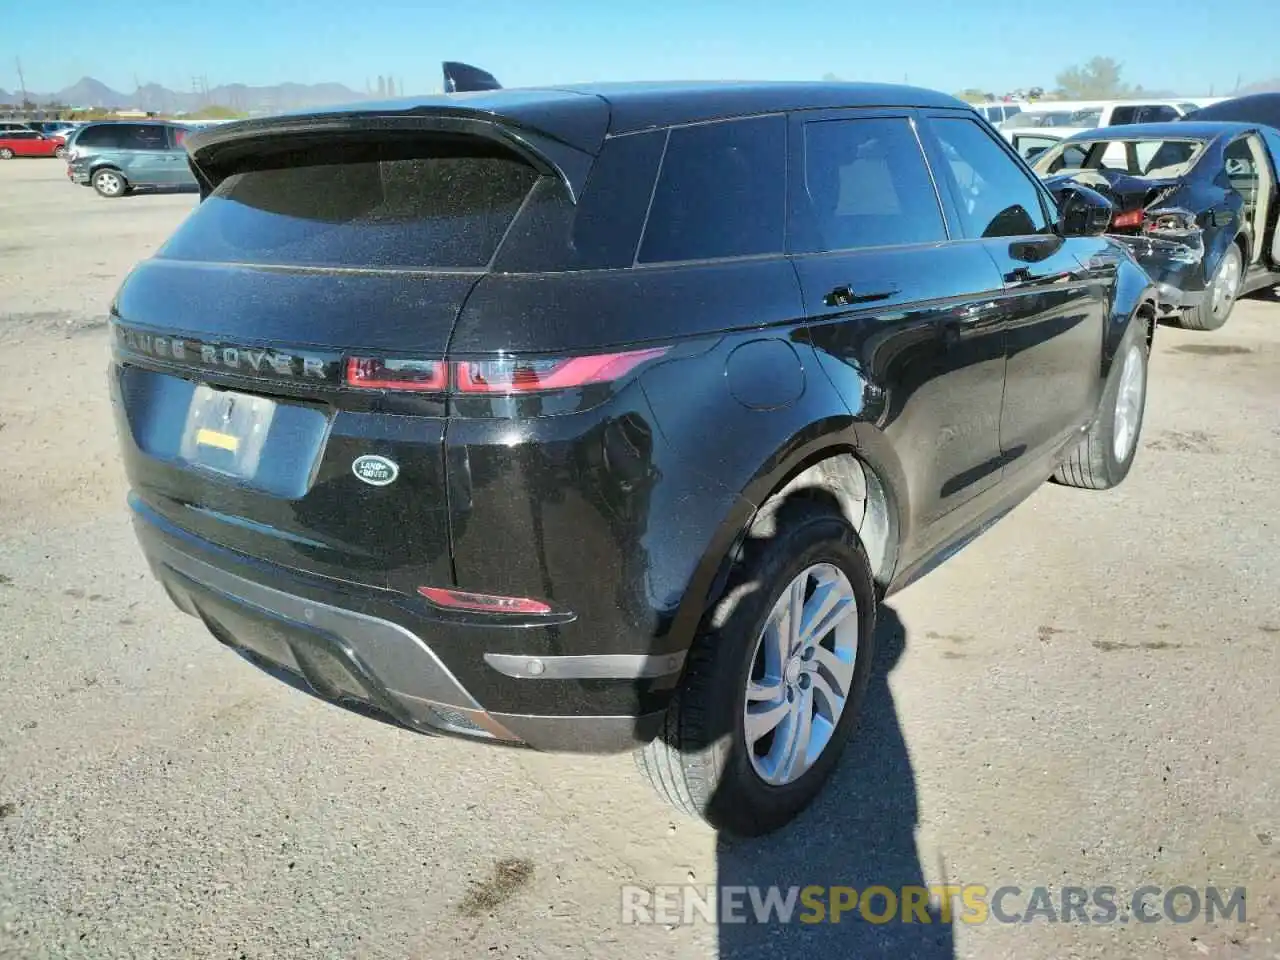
(1121, 115)
(721, 192)
(1160, 113)
(996, 199)
(111, 137)
(146, 136)
(1030, 147)
(1241, 169)
(866, 185)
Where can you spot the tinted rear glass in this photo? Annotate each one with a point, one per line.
(98, 137)
(446, 205)
(721, 192)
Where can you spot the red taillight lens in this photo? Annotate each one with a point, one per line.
(1130, 218)
(481, 602)
(523, 375)
(503, 376)
(415, 375)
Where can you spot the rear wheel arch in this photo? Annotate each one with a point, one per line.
(834, 471)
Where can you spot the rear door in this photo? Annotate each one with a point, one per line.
(901, 309)
(144, 153)
(178, 170)
(293, 328)
(1054, 299)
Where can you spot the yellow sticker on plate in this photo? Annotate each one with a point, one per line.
(212, 438)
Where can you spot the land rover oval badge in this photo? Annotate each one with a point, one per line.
(375, 470)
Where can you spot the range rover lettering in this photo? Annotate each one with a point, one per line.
(631, 402)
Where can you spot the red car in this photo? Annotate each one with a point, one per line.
(29, 143)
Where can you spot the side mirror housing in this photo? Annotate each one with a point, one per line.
(1085, 212)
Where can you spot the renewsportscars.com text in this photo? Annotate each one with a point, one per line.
(676, 904)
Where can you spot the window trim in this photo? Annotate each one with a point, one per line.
(797, 157)
(1049, 206)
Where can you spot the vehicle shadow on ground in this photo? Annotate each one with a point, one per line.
(165, 191)
(859, 833)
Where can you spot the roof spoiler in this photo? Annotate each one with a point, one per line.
(464, 78)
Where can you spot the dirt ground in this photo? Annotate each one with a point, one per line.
(1086, 696)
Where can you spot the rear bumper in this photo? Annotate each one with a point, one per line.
(1176, 268)
(365, 650)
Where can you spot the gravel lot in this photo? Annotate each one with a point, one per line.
(1088, 695)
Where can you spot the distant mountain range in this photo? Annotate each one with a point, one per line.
(88, 92)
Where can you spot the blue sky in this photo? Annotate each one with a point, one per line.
(997, 45)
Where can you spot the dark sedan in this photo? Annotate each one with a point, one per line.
(1197, 202)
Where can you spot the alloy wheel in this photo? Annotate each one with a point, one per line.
(1227, 282)
(109, 183)
(801, 674)
(1129, 400)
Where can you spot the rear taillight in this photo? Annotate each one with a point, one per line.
(1172, 222)
(481, 602)
(506, 375)
(520, 375)
(420, 376)
(1128, 220)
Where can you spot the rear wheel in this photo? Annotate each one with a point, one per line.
(774, 680)
(109, 183)
(6, 153)
(60, 153)
(1104, 455)
(1220, 295)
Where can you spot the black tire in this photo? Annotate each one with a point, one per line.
(110, 183)
(6, 153)
(699, 762)
(1204, 316)
(1093, 464)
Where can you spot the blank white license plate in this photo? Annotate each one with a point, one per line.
(226, 431)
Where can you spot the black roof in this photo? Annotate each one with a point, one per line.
(1168, 130)
(1261, 108)
(640, 106)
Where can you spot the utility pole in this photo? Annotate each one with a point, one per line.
(22, 81)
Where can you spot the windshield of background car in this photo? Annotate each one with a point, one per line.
(1154, 158)
(1049, 118)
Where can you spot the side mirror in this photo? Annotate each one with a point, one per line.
(1085, 212)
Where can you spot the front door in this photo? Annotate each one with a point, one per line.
(1054, 298)
(903, 317)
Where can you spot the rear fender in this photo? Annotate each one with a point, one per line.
(1222, 232)
(805, 447)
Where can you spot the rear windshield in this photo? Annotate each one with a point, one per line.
(444, 206)
(1153, 158)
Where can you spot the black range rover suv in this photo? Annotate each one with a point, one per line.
(602, 417)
